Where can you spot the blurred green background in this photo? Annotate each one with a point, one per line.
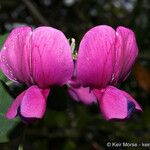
(69, 125)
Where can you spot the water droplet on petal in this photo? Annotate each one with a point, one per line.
(4, 47)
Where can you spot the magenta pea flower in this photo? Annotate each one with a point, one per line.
(40, 58)
(80, 93)
(105, 58)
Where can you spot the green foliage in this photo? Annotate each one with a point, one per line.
(2, 40)
(3, 77)
(5, 125)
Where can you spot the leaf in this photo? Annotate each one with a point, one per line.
(2, 40)
(3, 77)
(5, 125)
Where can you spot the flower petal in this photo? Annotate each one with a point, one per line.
(13, 110)
(82, 94)
(126, 53)
(130, 98)
(96, 56)
(14, 57)
(115, 104)
(52, 62)
(33, 104)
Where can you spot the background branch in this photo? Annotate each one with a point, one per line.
(35, 12)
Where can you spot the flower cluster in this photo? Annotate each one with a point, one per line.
(42, 58)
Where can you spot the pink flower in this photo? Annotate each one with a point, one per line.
(105, 58)
(80, 93)
(40, 58)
